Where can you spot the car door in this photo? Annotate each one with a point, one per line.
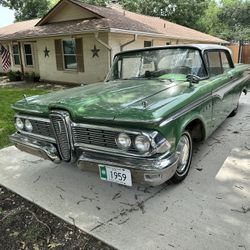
(234, 88)
(219, 78)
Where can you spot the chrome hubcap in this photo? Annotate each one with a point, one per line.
(183, 150)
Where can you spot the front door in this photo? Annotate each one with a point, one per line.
(220, 81)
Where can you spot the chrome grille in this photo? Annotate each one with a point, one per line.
(61, 132)
(97, 137)
(102, 138)
(42, 128)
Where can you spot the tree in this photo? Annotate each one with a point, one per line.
(28, 9)
(228, 20)
(182, 12)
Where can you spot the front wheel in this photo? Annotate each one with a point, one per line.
(185, 152)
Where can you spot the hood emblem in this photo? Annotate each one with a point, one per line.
(144, 104)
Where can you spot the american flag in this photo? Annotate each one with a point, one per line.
(5, 55)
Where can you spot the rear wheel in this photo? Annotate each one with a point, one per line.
(185, 151)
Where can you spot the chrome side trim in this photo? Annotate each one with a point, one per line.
(186, 109)
(223, 90)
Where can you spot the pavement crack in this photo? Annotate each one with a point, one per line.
(243, 210)
(60, 188)
(133, 207)
(37, 179)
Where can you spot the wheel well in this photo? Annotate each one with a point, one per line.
(196, 129)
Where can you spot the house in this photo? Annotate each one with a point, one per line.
(75, 42)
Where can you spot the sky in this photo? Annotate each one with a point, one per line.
(6, 16)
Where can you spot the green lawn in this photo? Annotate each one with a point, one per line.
(9, 96)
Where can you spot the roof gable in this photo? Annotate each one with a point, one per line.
(67, 10)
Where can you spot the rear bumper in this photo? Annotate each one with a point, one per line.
(146, 171)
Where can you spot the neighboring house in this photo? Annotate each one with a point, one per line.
(76, 42)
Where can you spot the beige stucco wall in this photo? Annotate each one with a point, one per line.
(95, 68)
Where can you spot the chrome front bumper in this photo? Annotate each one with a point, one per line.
(146, 171)
(32, 146)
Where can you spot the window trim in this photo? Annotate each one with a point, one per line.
(13, 55)
(24, 53)
(63, 55)
(229, 58)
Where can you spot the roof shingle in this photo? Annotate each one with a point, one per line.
(113, 18)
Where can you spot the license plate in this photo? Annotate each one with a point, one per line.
(118, 175)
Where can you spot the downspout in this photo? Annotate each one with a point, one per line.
(129, 42)
(106, 46)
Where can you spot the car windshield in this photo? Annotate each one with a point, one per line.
(165, 63)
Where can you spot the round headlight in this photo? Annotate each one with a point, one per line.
(142, 143)
(123, 141)
(19, 123)
(28, 126)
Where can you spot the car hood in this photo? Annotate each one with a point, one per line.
(109, 101)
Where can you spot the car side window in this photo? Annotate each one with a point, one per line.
(213, 61)
(224, 60)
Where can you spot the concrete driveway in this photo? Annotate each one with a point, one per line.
(209, 210)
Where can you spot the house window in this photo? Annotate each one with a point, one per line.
(28, 55)
(69, 54)
(16, 55)
(147, 44)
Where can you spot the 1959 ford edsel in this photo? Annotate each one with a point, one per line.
(140, 124)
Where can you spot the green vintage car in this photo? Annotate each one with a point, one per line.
(140, 124)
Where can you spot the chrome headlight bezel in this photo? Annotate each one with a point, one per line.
(28, 125)
(19, 123)
(123, 141)
(142, 143)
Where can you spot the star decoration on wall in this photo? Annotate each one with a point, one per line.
(46, 52)
(95, 52)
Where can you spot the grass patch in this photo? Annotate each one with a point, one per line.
(9, 96)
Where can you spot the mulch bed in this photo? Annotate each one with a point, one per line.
(24, 225)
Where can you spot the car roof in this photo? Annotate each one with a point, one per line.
(201, 47)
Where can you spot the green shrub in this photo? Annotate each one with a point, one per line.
(14, 76)
(31, 77)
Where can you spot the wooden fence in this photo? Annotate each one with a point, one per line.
(240, 53)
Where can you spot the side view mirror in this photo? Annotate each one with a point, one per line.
(193, 79)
